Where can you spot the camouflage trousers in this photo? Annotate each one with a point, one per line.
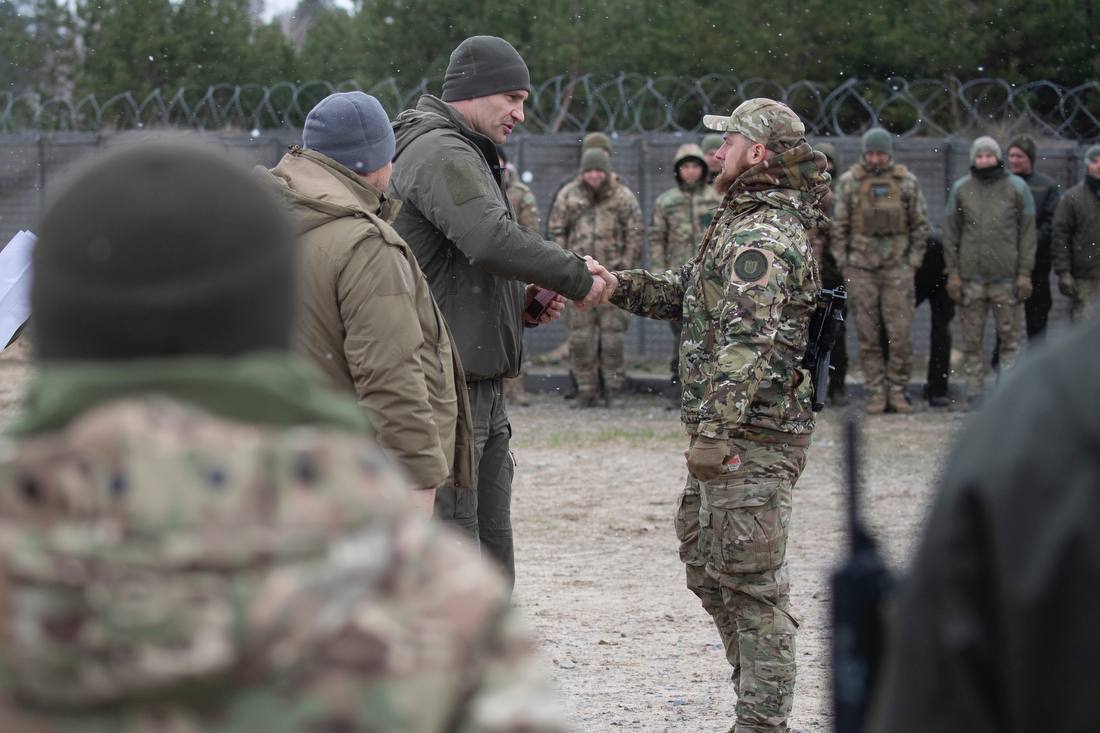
(596, 341)
(883, 298)
(978, 299)
(733, 542)
(1087, 299)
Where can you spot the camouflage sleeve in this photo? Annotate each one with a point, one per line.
(630, 222)
(646, 294)
(918, 224)
(749, 307)
(658, 238)
(1064, 226)
(557, 230)
(527, 213)
(840, 229)
(952, 231)
(1026, 223)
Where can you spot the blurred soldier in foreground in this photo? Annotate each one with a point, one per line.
(832, 277)
(526, 208)
(483, 267)
(989, 247)
(710, 146)
(196, 535)
(595, 215)
(1045, 192)
(369, 321)
(746, 300)
(1077, 240)
(680, 216)
(995, 627)
(880, 230)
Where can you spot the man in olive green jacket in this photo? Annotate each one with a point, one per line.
(369, 320)
(457, 219)
(1076, 248)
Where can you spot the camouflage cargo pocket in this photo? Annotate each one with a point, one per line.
(688, 531)
(746, 522)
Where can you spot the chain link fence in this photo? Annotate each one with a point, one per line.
(627, 103)
(33, 162)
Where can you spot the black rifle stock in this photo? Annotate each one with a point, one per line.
(825, 325)
(860, 588)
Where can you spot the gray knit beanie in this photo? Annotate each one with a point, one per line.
(484, 65)
(878, 140)
(1092, 152)
(984, 144)
(352, 129)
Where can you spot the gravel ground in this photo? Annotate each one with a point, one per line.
(598, 574)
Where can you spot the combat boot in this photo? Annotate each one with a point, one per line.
(876, 403)
(899, 402)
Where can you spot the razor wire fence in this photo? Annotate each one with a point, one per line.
(623, 104)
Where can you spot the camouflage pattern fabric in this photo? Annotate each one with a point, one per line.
(680, 217)
(978, 299)
(744, 328)
(606, 224)
(596, 344)
(167, 570)
(745, 301)
(522, 199)
(883, 298)
(1085, 302)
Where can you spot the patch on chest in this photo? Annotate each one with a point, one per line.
(752, 265)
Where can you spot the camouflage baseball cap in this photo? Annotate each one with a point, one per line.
(762, 120)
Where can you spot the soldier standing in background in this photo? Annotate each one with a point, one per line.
(198, 535)
(746, 300)
(880, 230)
(680, 216)
(832, 277)
(989, 247)
(526, 209)
(596, 215)
(931, 285)
(710, 146)
(1077, 239)
(591, 140)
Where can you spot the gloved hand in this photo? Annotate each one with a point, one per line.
(1023, 287)
(1066, 285)
(914, 261)
(954, 288)
(707, 458)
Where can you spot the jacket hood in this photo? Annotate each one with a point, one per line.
(432, 113)
(318, 190)
(795, 180)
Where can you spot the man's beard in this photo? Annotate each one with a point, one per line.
(724, 181)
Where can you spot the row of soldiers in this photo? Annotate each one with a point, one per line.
(1006, 227)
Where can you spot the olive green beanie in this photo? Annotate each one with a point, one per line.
(595, 159)
(158, 250)
(711, 143)
(1026, 144)
(878, 140)
(596, 140)
(482, 66)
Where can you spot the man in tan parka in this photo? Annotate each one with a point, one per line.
(368, 318)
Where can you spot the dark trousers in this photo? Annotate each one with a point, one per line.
(486, 514)
(677, 328)
(930, 287)
(832, 277)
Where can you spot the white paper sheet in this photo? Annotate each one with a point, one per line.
(15, 285)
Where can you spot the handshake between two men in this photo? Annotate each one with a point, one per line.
(603, 285)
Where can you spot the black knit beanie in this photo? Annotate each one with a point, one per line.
(484, 65)
(162, 249)
(1026, 144)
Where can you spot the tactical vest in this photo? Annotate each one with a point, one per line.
(879, 210)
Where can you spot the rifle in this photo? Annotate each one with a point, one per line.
(860, 588)
(826, 323)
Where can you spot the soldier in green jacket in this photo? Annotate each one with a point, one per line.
(1076, 248)
(746, 299)
(196, 534)
(680, 216)
(880, 231)
(482, 266)
(989, 249)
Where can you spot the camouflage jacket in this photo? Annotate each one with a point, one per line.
(165, 569)
(880, 220)
(608, 226)
(680, 216)
(522, 199)
(745, 300)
